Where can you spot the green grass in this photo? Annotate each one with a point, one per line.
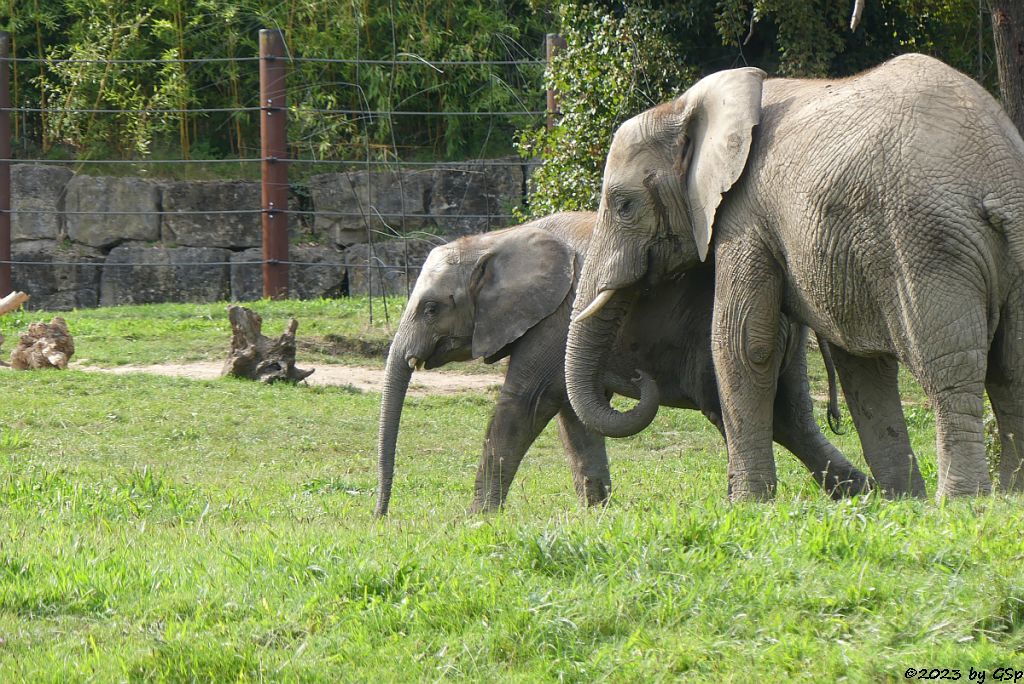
(329, 329)
(159, 529)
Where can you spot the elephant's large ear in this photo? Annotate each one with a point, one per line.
(718, 114)
(522, 278)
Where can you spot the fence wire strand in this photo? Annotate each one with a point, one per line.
(371, 260)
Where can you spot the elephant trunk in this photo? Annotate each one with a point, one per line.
(396, 382)
(591, 337)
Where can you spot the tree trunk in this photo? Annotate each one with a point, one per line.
(256, 357)
(45, 345)
(1008, 35)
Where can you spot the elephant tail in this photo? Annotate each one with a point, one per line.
(834, 416)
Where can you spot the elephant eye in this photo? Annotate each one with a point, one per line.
(624, 207)
(430, 308)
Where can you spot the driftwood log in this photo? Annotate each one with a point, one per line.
(45, 345)
(12, 302)
(256, 357)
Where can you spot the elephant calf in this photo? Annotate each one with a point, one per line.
(510, 293)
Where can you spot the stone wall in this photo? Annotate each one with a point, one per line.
(94, 240)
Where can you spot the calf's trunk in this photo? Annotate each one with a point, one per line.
(396, 383)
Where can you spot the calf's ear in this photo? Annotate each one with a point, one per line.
(515, 284)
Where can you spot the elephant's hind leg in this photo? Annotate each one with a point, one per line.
(871, 388)
(796, 430)
(1005, 384)
(1008, 406)
(941, 329)
(960, 458)
(587, 456)
(954, 381)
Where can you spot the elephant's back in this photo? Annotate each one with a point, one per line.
(575, 228)
(873, 184)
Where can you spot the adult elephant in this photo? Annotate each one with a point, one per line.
(885, 211)
(510, 293)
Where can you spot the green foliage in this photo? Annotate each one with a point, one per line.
(329, 329)
(613, 66)
(813, 39)
(624, 57)
(427, 30)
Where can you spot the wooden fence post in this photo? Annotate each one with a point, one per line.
(274, 167)
(552, 44)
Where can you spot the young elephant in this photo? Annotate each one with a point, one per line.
(510, 293)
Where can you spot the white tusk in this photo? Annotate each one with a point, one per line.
(599, 301)
(413, 362)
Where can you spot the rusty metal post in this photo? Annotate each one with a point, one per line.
(274, 168)
(6, 286)
(552, 44)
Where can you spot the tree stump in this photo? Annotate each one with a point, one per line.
(256, 357)
(45, 345)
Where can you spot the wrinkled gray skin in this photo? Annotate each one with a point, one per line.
(885, 211)
(510, 293)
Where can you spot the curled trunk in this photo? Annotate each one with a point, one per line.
(396, 382)
(590, 341)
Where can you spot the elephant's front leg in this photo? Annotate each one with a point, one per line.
(745, 344)
(588, 458)
(518, 418)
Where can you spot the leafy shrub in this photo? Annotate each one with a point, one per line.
(613, 66)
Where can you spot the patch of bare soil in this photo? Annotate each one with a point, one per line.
(340, 345)
(423, 383)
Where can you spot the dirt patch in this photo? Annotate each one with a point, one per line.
(364, 379)
(340, 345)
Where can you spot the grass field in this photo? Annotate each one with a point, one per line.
(159, 529)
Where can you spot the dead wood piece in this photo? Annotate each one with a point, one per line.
(256, 357)
(12, 302)
(45, 345)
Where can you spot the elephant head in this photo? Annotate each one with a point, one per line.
(666, 174)
(474, 297)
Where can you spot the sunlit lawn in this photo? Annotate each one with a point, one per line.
(159, 529)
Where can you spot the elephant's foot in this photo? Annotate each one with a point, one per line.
(960, 458)
(950, 487)
(899, 477)
(955, 489)
(842, 484)
(751, 488)
(482, 506)
(1012, 482)
(596, 491)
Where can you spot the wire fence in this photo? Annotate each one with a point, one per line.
(379, 201)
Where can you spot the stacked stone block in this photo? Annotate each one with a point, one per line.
(95, 240)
